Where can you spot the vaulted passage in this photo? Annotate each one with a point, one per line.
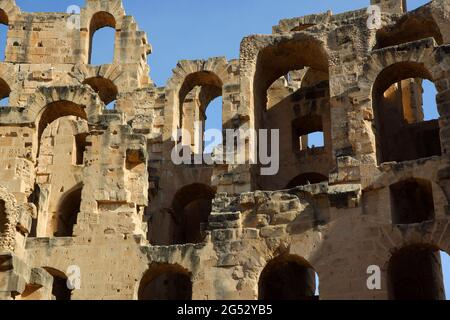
(191, 208)
(415, 273)
(165, 282)
(412, 201)
(403, 126)
(67, 213)
(287, 278)
(291, 94)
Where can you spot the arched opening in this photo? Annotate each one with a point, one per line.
(199, 92)
(67, 212)
(102, 35)
(106, 90)
(306, 179)
(3, 218)
(291, 94)
(401, 129)
(415, 273)
(57, 110)
(3, 34)
(213, 121)
(412, 201)
(165, 282)
(34, 199)
(411, 27)
(191, 207)
(60, 291)
(288, 277)
(5, 91)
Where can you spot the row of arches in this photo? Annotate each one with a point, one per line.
(105, 88)
(413, 272)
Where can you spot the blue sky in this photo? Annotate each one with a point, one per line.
(197, 29)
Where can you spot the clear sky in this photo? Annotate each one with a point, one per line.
(197, 29)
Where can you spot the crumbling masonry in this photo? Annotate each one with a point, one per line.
(86, 187)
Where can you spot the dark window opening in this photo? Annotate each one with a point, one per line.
(80, 145)
(191, 209)
(288, 278)
(412, 201)
(415, 273)
(405, 126)
(67, 213)
(166, 282)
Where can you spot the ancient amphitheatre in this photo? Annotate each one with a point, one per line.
(91, 190)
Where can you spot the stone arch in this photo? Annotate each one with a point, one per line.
(212, 74)
(8, 11)
(112, 74)
(107, 9)
(292, 106)
(67, 212)
(83, 96)
(287, 277)
(5, 90)
(279, 56)
(413, 26)
(421, 59)
(105, 88)
(164, 281)
(60, 291)
(415, 273)
(191, 207)
(99, 20)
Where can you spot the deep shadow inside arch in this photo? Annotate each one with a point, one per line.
(412, 201)
(415, 273)
(105, 88)
(287, 277)
(191, 207)
(165, 282)
(67, 212)
(59, 109)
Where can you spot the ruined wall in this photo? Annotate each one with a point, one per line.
(87, 186)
